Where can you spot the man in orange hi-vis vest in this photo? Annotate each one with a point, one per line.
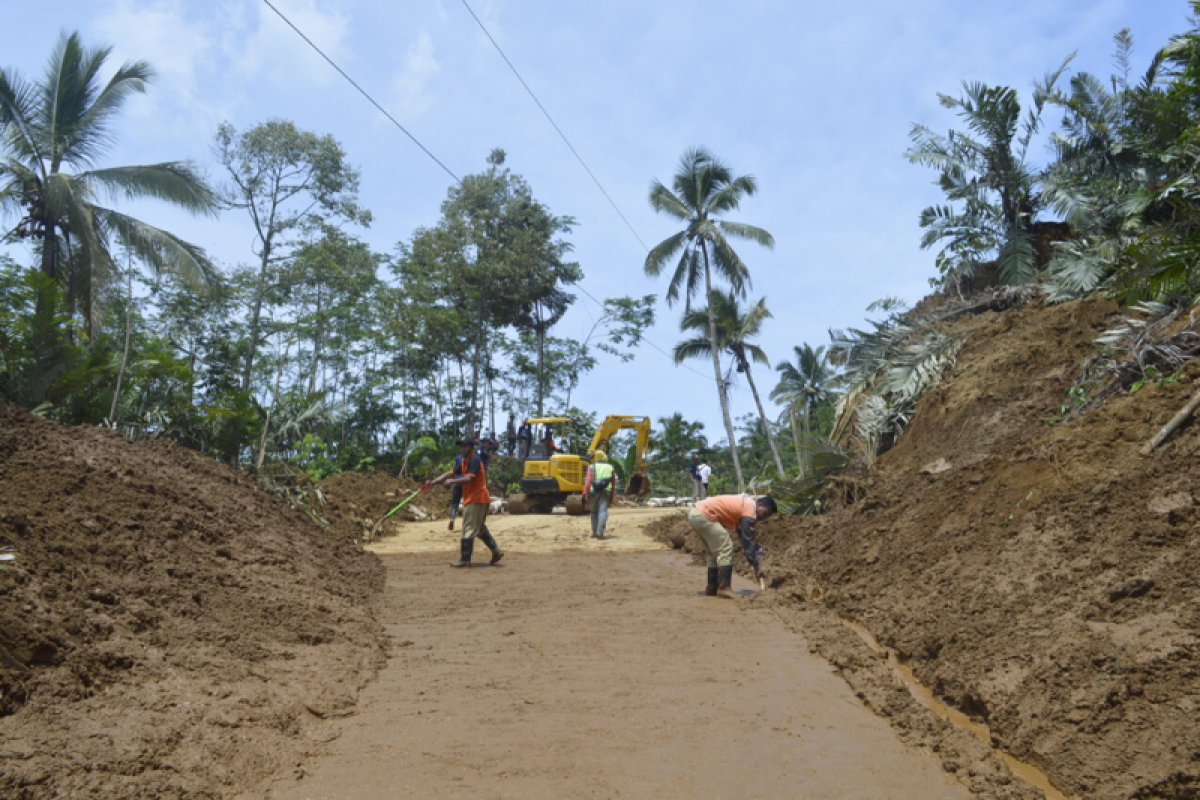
(714, 519)
(475, 502)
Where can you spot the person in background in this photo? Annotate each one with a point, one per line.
(510, 435)
(694, 469)
(714, 519)
(548, 441)
(705, 473)
(455, 490)
(600, 486)
(525, 438)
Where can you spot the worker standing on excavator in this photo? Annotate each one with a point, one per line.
(601, 487)
(714, 519)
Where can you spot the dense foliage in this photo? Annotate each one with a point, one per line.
(320, 350)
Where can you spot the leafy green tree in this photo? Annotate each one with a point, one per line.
(493, 254)
(674, 442)
(291, 183)
(731, 329)
(53, 131)
(705, 189)
(804, 384)
(989, 183)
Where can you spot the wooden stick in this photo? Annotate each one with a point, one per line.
(1175, 422)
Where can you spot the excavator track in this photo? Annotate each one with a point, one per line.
(575, 505)
(516, 504)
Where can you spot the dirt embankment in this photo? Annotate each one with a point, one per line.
(354, 501)
(1041, 576)
(167, 628)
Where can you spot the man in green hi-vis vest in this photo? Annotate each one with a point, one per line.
(601, 486)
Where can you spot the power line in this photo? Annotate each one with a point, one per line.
(427, 152)
(583, 163)
(644, 339)
(362, 91)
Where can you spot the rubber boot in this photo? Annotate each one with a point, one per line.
(490, 541)
(465, 560)
(711, 589)
(725, 582)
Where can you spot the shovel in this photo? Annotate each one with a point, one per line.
(379, 523)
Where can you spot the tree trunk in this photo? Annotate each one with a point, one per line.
(471, 415)
(318, 336)
(540, 331)
(763, 416)
(262, 442)
(796, 440)
(256, 317)
(112, 412)
(49, 248)
(716, 357)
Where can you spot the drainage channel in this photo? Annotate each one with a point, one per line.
(1023, 770)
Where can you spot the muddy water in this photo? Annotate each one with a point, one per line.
(1023, 770)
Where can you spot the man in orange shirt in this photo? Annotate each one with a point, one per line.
(475, 499)
(714, 519)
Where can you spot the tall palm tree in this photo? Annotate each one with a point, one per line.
(704, 190)
(53, 131)
(732, 331)
(803, 384)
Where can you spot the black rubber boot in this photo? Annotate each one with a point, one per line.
(711, 589)
(725, 582)
(490, 541)
(468, 545)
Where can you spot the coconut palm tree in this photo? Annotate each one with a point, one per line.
(53, 131)
(705, 189)
(803, 384)
(732, 329)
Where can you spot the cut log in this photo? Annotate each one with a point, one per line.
(1175, 422)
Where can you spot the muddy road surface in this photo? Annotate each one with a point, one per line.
(596, 669)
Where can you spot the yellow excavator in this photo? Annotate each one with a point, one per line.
(551, 479)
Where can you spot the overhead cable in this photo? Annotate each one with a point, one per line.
(362, 91)
(583, 163)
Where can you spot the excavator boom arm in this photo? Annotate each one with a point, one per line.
(639, 484)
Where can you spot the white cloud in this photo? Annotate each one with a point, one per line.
(159, 32)
(274, 48)
(412, 83)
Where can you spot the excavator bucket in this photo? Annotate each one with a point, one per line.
(639, 486)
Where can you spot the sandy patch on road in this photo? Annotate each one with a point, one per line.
(534, 533)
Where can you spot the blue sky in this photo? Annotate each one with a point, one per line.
(815, 99)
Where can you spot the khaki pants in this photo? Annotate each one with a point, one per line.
(473, 516)
(716, 539)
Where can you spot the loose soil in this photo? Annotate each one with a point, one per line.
(353, 502)
(567, 673)
(1041, 576)
(168, 628)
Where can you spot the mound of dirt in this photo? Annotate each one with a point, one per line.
(167, 628)
(1041, 576)
(354, 501)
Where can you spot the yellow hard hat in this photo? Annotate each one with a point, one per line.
(600, 455)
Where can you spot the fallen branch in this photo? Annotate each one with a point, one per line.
(1175, 422)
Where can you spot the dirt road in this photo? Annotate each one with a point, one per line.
(565, 673)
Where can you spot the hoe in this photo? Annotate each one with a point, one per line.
(379, 522)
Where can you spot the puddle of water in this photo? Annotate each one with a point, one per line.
(1023, 770)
